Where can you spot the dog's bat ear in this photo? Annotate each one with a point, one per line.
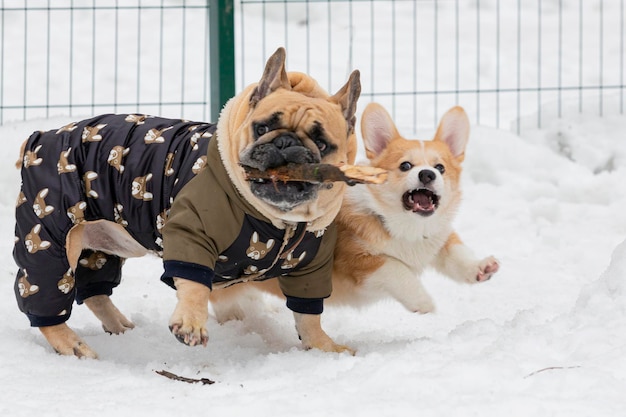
(377, 129)
(347, 97)
(274, 77)
(454, 129)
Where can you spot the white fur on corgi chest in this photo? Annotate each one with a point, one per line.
(414, 240)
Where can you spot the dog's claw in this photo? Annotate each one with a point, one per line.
(188, 338)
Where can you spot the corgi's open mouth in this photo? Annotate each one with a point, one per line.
(422, 201)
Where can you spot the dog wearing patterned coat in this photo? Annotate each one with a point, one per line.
(95, 170)
(117, 186)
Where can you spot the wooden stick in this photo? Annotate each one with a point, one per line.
(551, 368)
(203, 381)
(318, 173)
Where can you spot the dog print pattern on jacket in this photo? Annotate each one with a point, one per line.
(122, 168)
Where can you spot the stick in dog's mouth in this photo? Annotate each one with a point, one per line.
(319, 173)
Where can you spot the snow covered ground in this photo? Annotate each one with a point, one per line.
(545, 337)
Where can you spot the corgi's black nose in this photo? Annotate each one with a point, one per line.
(426, 176)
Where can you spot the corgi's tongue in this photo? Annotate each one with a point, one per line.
(420, 201)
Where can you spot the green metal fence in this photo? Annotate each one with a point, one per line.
(80, 57)
(511, 63)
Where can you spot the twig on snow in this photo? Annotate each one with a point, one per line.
(203, 381)
(551, 368)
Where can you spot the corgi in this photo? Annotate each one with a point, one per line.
(389, 234)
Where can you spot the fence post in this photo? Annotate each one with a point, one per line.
(221, 54)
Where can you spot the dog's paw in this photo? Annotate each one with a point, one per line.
(487, 268)
(189, 335)
(424, 305)
(191, 313)
(189, 326)
(65, 342)
(312, 336)
(113, 321)
(118, 326)
(425, 308)
(330, 346)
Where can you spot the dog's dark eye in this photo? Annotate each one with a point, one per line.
(440, 168)
(260, 129)
(321, 145)
(405, 166)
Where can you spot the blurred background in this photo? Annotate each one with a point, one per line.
(511, 64)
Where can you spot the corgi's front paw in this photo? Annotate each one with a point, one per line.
(424, 305)
(486, 268)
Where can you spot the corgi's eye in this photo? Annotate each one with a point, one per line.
(405, 166)
(440, 168)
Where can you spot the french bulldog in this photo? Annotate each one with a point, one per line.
(101, 190)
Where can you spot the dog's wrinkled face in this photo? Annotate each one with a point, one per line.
(289, 119)
(424, 176)
(304, 131)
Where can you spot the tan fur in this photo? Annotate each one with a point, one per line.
(382, 247)
(351, 262)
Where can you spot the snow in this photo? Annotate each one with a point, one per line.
(546, 336)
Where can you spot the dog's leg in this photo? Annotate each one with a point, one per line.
(64, 341)
(191, 313)
(403, 284)
(231, 303)
(309, 329)
(458, 262)
(113, 321)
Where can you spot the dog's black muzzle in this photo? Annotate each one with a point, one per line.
(285, 149)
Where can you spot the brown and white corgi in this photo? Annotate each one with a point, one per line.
(389, 234)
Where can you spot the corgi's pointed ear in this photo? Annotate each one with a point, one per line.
(377, 129)
(454, 130)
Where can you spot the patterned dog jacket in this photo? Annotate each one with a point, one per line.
(122, 168)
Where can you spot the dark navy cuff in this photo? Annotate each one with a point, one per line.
(187, 270)
(38, 321)
(96, 288)
(305, 305)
